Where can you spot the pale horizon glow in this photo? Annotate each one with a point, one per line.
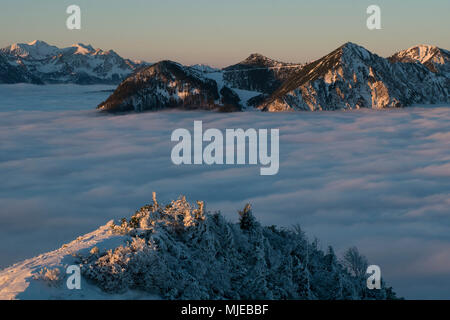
(223, 33)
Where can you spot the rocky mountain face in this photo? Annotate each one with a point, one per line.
(350, 77)
(79, 63)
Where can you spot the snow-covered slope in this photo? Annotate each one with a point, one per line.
(179, 251)
(78, 63)
(204, 68)
(35, 50)
(352, 77)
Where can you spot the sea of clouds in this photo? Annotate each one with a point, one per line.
(378, 180)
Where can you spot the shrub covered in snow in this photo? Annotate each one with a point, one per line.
(179, 251)
(51, 277)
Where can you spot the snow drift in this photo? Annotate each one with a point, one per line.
(38, 62)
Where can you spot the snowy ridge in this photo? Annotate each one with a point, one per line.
(204, 68)
(180, 251)
(79, 63)
(21, 281)
(36, 50)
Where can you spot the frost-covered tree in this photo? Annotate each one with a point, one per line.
(180, 251)
(246, 219)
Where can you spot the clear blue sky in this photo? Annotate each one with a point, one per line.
(223, 32)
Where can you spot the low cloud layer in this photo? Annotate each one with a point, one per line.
(379, 180)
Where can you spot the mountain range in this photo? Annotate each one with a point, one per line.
(40, 63)
(350, 77)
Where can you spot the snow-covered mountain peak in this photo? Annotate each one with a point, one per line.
(36, 49)
(256, 56)
(38, 43)
(434, 58)
(165, 66)
(421, 52)
(83, 49)
(352, 45)
(256, 59)
(353, 49)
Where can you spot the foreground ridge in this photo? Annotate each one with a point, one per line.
(181, 251)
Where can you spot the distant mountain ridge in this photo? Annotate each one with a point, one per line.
(350, 77)
(79, 63)
(258, 73)
(163, 85)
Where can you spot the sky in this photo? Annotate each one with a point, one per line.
(220, 33)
